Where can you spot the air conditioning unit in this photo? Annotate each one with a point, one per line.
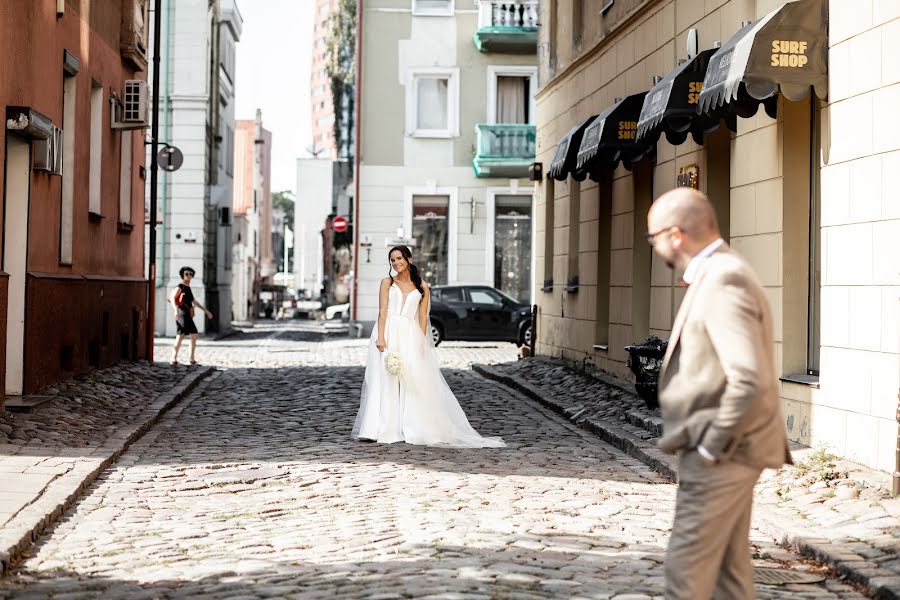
(136, 102)
(48, 153)
(133, 110)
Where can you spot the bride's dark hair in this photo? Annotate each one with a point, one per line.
(413, 269)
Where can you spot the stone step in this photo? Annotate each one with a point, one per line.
(26, 404)
(649, 420)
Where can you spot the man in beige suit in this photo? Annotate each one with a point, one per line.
(719, 398)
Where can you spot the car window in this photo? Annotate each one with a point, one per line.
(451, 295)
(484, 296)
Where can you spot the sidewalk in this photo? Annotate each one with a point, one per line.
(49, 456)
(834, 511)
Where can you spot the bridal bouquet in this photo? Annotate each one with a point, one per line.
(393, 363)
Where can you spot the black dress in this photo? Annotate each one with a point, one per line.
(185, 322)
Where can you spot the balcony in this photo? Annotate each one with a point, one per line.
(507, 27)
(504, 150)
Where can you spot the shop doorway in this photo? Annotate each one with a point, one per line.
(512, 246)
(16, 197)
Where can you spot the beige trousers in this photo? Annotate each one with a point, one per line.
(709, 551)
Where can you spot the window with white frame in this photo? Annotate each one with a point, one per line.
(433, 103)
(125, 171)
(438, 8)
(96, 157)
(511, 92)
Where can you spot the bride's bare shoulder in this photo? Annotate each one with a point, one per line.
(386, 281)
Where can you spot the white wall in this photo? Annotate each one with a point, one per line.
(312, 207)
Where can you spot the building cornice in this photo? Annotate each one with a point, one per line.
(603, 44)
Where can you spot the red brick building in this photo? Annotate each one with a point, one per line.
(72, 288)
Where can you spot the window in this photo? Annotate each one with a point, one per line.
(438, 8)
(430, 229)
(485, 296)
(68, 177)
(451, 295)
(511, 94)
(125, 170)
(229, 150)
(432, 103)
(95, 193)
(574, 231)
(549, 202)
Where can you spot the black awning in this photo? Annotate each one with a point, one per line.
(611, 138)
(564, 159)
(671, 105)
(786, 50)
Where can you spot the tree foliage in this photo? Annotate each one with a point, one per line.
(285, 201)
(340, 67)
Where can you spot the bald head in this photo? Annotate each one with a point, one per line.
(689, 210)
(680, 224)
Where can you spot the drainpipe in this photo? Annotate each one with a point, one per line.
(356, 160)
(154, 172)
(164, 264)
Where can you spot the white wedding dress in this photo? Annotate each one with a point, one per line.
(416, 406)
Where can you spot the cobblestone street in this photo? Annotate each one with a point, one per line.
(252, 488)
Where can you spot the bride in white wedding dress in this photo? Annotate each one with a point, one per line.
(416, 405)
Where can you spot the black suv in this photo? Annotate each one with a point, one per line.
(478, 312)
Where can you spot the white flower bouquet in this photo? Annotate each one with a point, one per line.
(393, 363)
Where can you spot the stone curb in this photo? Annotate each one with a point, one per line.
(881, 583)
(22, 530)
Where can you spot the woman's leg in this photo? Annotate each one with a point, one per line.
(194, 337)
(178, 340)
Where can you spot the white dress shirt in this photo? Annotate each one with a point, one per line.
(690, 274)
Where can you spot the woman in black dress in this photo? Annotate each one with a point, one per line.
(183, 301)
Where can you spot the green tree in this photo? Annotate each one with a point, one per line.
(340, 67)
(285, 201)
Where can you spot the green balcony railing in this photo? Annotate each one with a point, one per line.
(507, 27)
(504, 150)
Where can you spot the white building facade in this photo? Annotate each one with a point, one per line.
(221, 196)
(314, 202)
(461, 89)
(196, 108)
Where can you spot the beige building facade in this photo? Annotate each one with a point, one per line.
(446, 137)
(810, 197)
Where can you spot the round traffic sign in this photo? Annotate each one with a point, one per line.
(170, 158)
(339, 224)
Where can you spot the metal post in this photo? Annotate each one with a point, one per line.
(154, 176)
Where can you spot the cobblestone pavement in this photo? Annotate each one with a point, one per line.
(252, 488)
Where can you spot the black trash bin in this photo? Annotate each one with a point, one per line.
(645, 361)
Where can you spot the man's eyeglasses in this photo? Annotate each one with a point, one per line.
(651, 236)
(188, 274)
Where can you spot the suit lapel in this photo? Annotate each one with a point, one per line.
(684, 309)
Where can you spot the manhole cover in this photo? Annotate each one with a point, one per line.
(771, 576)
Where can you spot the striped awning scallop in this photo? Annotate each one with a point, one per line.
(564, 159)
(610, 139)
(670, 106)
(786, 51)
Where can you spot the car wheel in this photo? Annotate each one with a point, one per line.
(525, 336)
(437, 335)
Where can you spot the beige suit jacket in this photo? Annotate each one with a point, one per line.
(718, 386)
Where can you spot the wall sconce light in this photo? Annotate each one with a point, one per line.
(536, 171)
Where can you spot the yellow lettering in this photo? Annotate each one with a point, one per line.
(802, 47)
(803, 61)
(693, 98)
(774, 60)
(794, 48)
(776, 47)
